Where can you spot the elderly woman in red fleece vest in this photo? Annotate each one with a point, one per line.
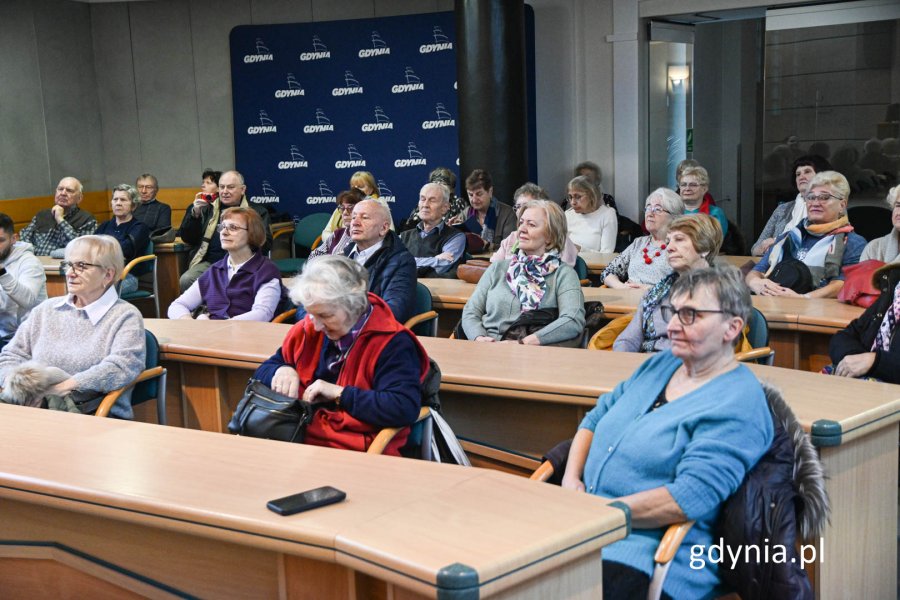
(349, 350)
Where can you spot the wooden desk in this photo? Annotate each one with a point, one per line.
(160, 511)
(56, 282)
(597, 261)
(798, 328)
(173, 261)
(526, 398)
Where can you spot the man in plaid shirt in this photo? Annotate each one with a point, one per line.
(53, 228)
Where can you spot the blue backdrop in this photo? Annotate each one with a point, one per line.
(315, 102)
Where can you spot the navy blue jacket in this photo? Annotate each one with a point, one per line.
(392, 276)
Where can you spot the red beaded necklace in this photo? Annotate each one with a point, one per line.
(648, 258)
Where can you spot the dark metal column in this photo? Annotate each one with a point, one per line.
(490, 74)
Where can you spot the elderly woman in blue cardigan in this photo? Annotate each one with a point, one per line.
(676, 439)
(245, 285)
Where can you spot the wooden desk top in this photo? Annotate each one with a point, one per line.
(597, 261)
(423, 525)
(834, 409)
(51, 265)
(815, 314)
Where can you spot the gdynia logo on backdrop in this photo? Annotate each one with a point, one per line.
(379, 48)
(298, 161)
(441, 42)
(413, 83)
(384, 192)
(265, 125)
(443, 118)
(326, 196)
(323, 123)
(269, 195)
(351, 86)
(262, 54)
(382, 122)
(416, 158)
(320, 51)
(293, 88)
(354, 159)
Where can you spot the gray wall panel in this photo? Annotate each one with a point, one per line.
(393, 8)
(114, 66)
(23, 153)
(71, 108)
(166, 90)
(263, 12)
(329, 10)
(211, 23)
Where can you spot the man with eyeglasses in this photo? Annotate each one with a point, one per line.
(156, 215)
(198, 228)
(437, 247)
(52, 228)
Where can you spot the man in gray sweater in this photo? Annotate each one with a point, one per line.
(23, 283)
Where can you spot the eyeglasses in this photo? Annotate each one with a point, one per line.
(146, 187)
(686, 315)
(77, 267)
(821, 198)
(575, 197)
(229, 227)
(689, 186)
(656, 210)
(345, 208)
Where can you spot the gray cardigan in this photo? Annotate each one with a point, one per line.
(781, 216)
(493, 307)
(633, 335)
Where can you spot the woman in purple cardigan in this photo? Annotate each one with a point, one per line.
(244, 285)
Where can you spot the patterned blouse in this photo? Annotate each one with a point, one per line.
(631, 264)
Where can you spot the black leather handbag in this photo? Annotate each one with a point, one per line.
(264, 413)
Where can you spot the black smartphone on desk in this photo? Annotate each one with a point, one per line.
(291, 505)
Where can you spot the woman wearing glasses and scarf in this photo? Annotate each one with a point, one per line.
(108, 331)
(676, 439)
(692, 242)
(533, 278)
(245, 285)
(643, 263)
(824, 242)
(693, 186)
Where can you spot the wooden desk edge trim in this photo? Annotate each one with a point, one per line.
(500, 391)
(452, 581)
(214, 361)
(825, 432)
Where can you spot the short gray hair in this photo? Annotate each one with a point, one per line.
(334, 280)
(103, 250)
(725, 282)
(670, 201)
(892, 196)
(833, 180)
(533, 190)
(445, 191)
(128, 189)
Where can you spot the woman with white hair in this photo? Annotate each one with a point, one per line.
(643, 263)
(131, 234)
(109, 331)
(887, 248)
(349, 350)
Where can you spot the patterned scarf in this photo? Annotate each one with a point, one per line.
(891, 317)
(649, 302)
(526, 277)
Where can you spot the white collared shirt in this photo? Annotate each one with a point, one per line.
(232, 268)
(361, 256)
(99, 307)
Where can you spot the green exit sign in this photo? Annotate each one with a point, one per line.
(690, 140)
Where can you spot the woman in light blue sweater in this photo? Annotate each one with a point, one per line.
(676, 439)
(533, 278)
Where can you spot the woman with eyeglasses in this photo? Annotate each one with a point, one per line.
(339, 239)
(692, 242)
(644, 262)
(808, 260)
(510, 245)
(592, 224)
(675, 440)
(789, 214)
(92, 335)
(364, 183)
(693, 186)
(245, 285)
(132, 234)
